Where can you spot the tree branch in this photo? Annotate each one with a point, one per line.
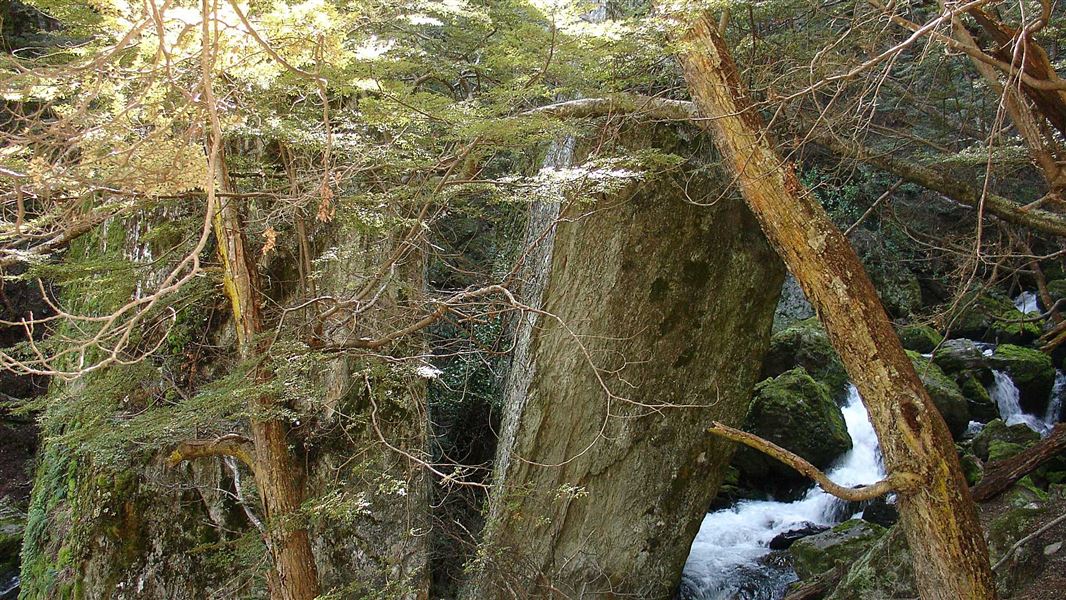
(234, 445)
(896, 482)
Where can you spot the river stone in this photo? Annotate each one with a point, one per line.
(783, 541)
(998, 431)
(840, 545)
(795, 412)
(982, 407)
(1032, 371)
(806, 344)
(920, 338)
(881, 512)
(945, 394)
(976, 314)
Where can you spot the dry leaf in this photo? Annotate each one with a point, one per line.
(326, 210)
(271, 237)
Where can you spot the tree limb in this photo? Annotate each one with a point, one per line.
(893, 483)
(234, 445)
(1000, 475)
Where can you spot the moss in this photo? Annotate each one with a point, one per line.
(840, 545)
(806, 344)
(920, 338)
(1057, 289)
(1001, 450)
(972, 468)
(982, 408)
(998, 431)
(795, 412)
(884, 571)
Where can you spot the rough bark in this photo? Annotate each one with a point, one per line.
(938, 515)
(1002, 474)
(598, 495)
(279, 476)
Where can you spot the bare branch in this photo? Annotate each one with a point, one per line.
(232, 445)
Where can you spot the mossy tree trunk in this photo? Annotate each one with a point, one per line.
(668, 306)
(938, 515)
(278, 475)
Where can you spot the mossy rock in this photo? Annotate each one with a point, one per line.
(920, 338)
(972, 468)
(1057, 289)
(885, 570)
(945, 394)
(840, 545)
(998, 431)
(982, 407)
(1011, 327)
(1002, 450)
(795, 412)
(806, 344)
(975, 314)
(898, 288)
(1032, 372)
(12, 525)
(960, 356)
(1022, 518)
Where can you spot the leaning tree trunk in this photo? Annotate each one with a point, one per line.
(599, 495)
(937, 512)
(278, 475)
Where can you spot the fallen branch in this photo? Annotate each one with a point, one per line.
(233, 445)
(897, 482)
(1002, 474)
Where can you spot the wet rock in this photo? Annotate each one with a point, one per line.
(1032, 372)
(960, 355)
(920, 338)
(945, 394)
(991, 317)
(12, 524)
(784, 540)
(795, 412)
(806, 344)
(982, 407)
(881, 512)
(886, 570)
(841, 545)
(998, 431)
(972, 468)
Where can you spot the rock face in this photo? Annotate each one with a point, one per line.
(806, 344)
(672, 304)
(795, 412)
(793, 305)
(1031, 370)
(841, 545)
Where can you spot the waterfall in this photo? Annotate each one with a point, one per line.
(1054, 405)
(1007, 398)
(1026, 302)
(730, 557)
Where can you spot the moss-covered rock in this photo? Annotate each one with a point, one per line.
(1032, 372)
(1057, 289)
(998, 431)
(959, 356)
(12, 524)
(1001, 450)
(886, 570)
(982, 408)
(945, 394)
(972, 468)
(806, 344)
(795, 412)
(983, 316)
(840, 545)
(920, 338)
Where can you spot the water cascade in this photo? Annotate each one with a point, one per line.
(1006, 396)
(730, 557)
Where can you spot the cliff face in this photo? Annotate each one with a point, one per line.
(656, 313)
(114, 525)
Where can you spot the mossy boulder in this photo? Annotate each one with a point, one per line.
(996, 431)
(12, 525)
(945, 394)
(795, 412)
(1032, 372)
(806, 344)
(840, 545)
(972, 468)
(886, 570)
(1057, 289)
(898, 288)
(920, 338)
(991, 317)
(960, 356)
(1001, 450)
(982, 407)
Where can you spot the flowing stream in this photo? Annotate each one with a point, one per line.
(730, 557)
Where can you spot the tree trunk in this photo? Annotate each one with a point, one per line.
(278, 475)
(937, 512)
(1002, 474)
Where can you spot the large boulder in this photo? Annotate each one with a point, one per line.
(920, 338)
(960, 355)
(982, 407)
(1057, 289)
(998, 431)
(840, 545)
(1032, 372)
(992, 317)
(806, 344)
(945, 394)
(795, 412)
